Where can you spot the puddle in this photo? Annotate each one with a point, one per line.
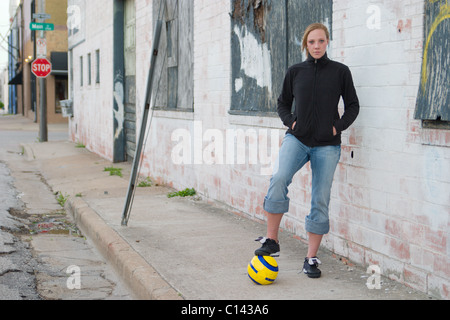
(52, 223)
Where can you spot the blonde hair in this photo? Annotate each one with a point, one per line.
(311, 28)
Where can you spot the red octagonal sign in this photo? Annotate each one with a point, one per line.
(41, 67)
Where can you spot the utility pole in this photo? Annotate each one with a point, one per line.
(43, 130)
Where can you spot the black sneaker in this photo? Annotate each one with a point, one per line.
(310, 267)
(269, 247)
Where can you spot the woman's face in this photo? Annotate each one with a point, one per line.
(317, 43)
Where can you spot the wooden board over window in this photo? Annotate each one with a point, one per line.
(266, 40)
(433, 100)
(174, 79)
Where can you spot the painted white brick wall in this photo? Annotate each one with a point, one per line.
(390, 199)
(92, 123)
(396, 211)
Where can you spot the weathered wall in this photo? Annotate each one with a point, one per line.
(434, 91)
(92, 124)
(390, 200)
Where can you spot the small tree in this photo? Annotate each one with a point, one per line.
(2, 106)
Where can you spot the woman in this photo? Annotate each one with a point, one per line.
(316, 85)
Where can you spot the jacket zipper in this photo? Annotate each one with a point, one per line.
(314, 111)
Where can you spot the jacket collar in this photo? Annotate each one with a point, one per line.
(323, 60)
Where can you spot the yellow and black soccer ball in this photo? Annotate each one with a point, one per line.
(263, 270)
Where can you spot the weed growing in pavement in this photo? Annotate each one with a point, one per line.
(185, 193)
(114, 171)
(61, 199)
(147, 182)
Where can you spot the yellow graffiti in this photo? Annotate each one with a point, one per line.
(443, 14)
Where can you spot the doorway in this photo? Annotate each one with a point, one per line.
(130, 78)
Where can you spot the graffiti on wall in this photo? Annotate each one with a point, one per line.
(119, 109)
(433, 101)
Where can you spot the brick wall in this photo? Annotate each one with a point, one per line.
(92, 124)
(390, 199)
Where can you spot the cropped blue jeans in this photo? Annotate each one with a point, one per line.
(293, 156)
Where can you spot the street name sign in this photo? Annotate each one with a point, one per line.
(42, 26)
(41, 68)
(42, 16)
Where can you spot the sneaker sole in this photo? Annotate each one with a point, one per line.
(314, 276)
(274, 255)
(277, 254)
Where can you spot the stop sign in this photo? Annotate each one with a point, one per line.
(41, 67)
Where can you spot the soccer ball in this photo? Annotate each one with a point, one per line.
(263, 270)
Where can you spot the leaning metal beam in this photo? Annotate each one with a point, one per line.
(148, 97)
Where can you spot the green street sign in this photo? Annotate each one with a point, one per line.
(42, 26)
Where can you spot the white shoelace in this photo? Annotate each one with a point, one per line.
(314, 261)
(262, 239)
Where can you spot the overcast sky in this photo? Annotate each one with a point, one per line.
(4, 27)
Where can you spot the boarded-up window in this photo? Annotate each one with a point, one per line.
(433, 100)
(174, 73)
(266, 40)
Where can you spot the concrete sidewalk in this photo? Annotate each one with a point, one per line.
(185, 248)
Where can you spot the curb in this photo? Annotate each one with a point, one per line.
(143, 280)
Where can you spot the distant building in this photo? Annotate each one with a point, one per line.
(4, 89)
(24, 89)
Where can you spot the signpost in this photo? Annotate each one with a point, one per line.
(42, 16)
(41, 67)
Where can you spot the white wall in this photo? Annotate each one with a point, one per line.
(390, 200)
(92, 123)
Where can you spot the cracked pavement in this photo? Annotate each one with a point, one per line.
(39, 243)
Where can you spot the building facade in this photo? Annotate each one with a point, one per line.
(4, 92)
(214, 127)
(24, 44)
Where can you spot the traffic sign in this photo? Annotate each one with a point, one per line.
(41, 68)
(42, 16)
(42, 26)
(41, 47)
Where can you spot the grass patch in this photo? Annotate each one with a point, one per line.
(184, 193)
(147, 182)
(80, 145)
(114, 171)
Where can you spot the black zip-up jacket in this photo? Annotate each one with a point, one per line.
(316, 86)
